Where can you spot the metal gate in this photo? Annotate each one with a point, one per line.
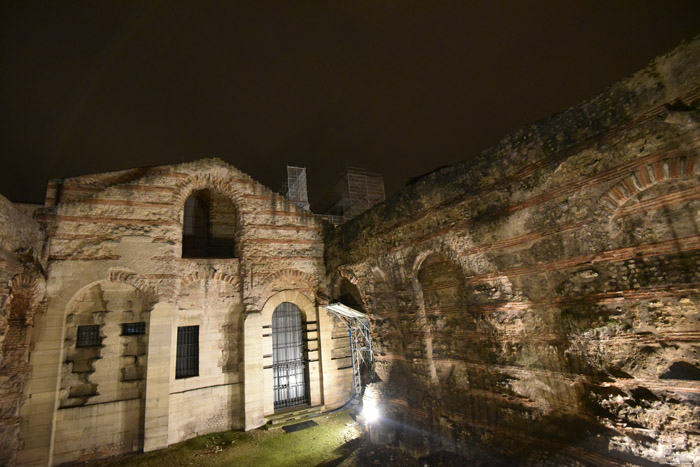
(288, 363)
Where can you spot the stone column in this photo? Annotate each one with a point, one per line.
(158, 377)
(253, 371)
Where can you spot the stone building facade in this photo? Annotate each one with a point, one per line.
(108, 362)
(539, 303)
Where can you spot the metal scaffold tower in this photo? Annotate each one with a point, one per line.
(360, 341)
(295, 186)
(356, 192)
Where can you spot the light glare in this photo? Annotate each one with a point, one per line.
(370, 412)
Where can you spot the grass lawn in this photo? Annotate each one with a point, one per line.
(335, 439)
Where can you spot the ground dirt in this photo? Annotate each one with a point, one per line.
(338, 440)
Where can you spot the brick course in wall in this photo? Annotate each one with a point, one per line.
(113, 256)
(536, 304)
(543, 299)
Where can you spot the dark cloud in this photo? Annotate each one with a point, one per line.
(397, 87)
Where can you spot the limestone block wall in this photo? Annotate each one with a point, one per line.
(542, 301)
(114, 255)
(212, 401)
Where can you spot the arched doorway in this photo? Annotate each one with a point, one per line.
(288, 359)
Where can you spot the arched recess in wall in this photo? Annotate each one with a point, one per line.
(654, 228)
(444, 302)
(279, 302)
(210, 218)
(104, 364)
(349, 294)
(460, 342)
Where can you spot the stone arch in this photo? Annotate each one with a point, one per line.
(307, 307)
(349, 294)
(442, 300)
(108, 304)
(221, 203)
(104, 361)
(310, 326)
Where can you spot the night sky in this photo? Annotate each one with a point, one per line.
(396, 87)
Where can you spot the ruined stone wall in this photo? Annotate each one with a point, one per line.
(114, 257)
(541, 302)
(21, 294)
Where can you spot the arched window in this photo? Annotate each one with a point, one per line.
(208, 229)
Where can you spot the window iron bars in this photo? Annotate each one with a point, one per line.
(88, 336)
(288, 364)
(133, 329)
(187, 360)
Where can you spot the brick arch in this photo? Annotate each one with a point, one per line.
(188, 279)
(204, 181)
(443, 251)
(292, 275)
(135, 281)
(31, 283)
(30, 289)
(648, 175)
(344, 272)
(210, 275)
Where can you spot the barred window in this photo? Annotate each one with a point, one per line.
(133, 329)
(187, 361)
(88, 336)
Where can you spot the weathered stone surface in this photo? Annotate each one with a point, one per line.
(113, 256)
(538, 304)
(21, 292)
(544, 297)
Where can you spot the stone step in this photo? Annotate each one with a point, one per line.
(292, 416)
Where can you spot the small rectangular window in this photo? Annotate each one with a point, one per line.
(133, 329)
(88, 336)
(187, 361)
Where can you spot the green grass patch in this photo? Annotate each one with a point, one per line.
(321, 444)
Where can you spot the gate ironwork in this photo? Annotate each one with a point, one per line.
(288, 362)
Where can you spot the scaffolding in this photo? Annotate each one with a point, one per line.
(356, 192)
(295, 186)
(360, 341)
